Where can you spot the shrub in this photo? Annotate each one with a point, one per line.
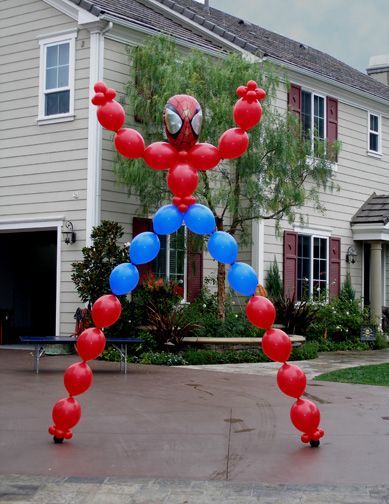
(91, 275)
(295, 317)
(162, 359)
(169, 325)
(339, 320)
(153, 291)
(273, 282)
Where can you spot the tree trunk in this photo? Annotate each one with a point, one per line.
(221, 280)
(221, 290)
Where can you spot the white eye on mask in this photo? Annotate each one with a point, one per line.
(172, 120)
(197, 121)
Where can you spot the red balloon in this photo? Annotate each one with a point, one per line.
(261, 312)
(66, 414)
(78, 378)
(90, 343)
(233, 143)
(100, 87)
(291, 380)
(247, 113)
(111, 116)
(305, 416)
(276, 345)
(182, 180)
(106, 310)
(204, 156)
(160, 155)
(129, 143)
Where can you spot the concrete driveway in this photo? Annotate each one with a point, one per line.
(188, 424)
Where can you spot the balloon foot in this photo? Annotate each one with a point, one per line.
(58, 440)
(314, 443)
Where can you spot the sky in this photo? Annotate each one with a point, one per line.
(349, 30)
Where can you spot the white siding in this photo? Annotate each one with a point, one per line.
(42, 166)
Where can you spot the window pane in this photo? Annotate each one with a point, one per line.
(303, 267)
(52, 56)
(373, 146)
(374, 123)
(177, 256)
(158, 266)
(57, 103)
(306, 113)
(51, 78)
(63, 54)
(63, 76)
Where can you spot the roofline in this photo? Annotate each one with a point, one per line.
(328, 80)
(143, 28)
(302, 70)
(181, 17)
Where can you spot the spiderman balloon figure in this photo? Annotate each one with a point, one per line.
(181, 156)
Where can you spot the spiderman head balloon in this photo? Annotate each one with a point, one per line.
(182, 117)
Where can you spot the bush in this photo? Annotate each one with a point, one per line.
(157, 292)
(273, 282)
(339, 320)
(91, 275)
(162, 359)
(295, 317)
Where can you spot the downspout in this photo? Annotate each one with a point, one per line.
(93, 200)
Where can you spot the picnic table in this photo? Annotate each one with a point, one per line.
(40, 343)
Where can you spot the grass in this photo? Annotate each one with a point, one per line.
(376, 374)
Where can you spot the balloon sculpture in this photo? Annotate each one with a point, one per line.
(182, 157)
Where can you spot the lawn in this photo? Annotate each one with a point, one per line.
(376, 374)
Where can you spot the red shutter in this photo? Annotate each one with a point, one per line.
(334, 267)
(294, 99)
(194, 270)
(140, 225)
(290, 263)
(332, 123)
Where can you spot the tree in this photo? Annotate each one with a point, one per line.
(272, 180)
(91, 275)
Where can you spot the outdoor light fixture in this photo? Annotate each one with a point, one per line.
(351, 255)
(68, 233)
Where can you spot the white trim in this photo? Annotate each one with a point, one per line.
(377, 153)
(257, 249)
(383, 269)
(54, 39)
(319, 231)
(38, 224)
(70, 9)
(370, 232)
(93, 203)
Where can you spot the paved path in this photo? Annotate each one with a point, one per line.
(183, 436)
(327, 361)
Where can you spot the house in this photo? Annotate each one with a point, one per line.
(56, 162)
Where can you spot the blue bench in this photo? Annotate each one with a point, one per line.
(40, 343)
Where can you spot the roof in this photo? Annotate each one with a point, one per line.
(136, 12)
(240, 32)
(374, 210)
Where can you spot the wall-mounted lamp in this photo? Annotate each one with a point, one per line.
(351, 255)
(68, 233)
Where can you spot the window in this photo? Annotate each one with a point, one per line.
(319, 119)
(57, 78)
(312, 266)
(313, 120)
(374, 133)
(171, 260)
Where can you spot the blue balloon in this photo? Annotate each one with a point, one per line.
(200, 219)
(167, 220)
(243, 278)
(124, 278)
(144, 248)
(223, 247)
